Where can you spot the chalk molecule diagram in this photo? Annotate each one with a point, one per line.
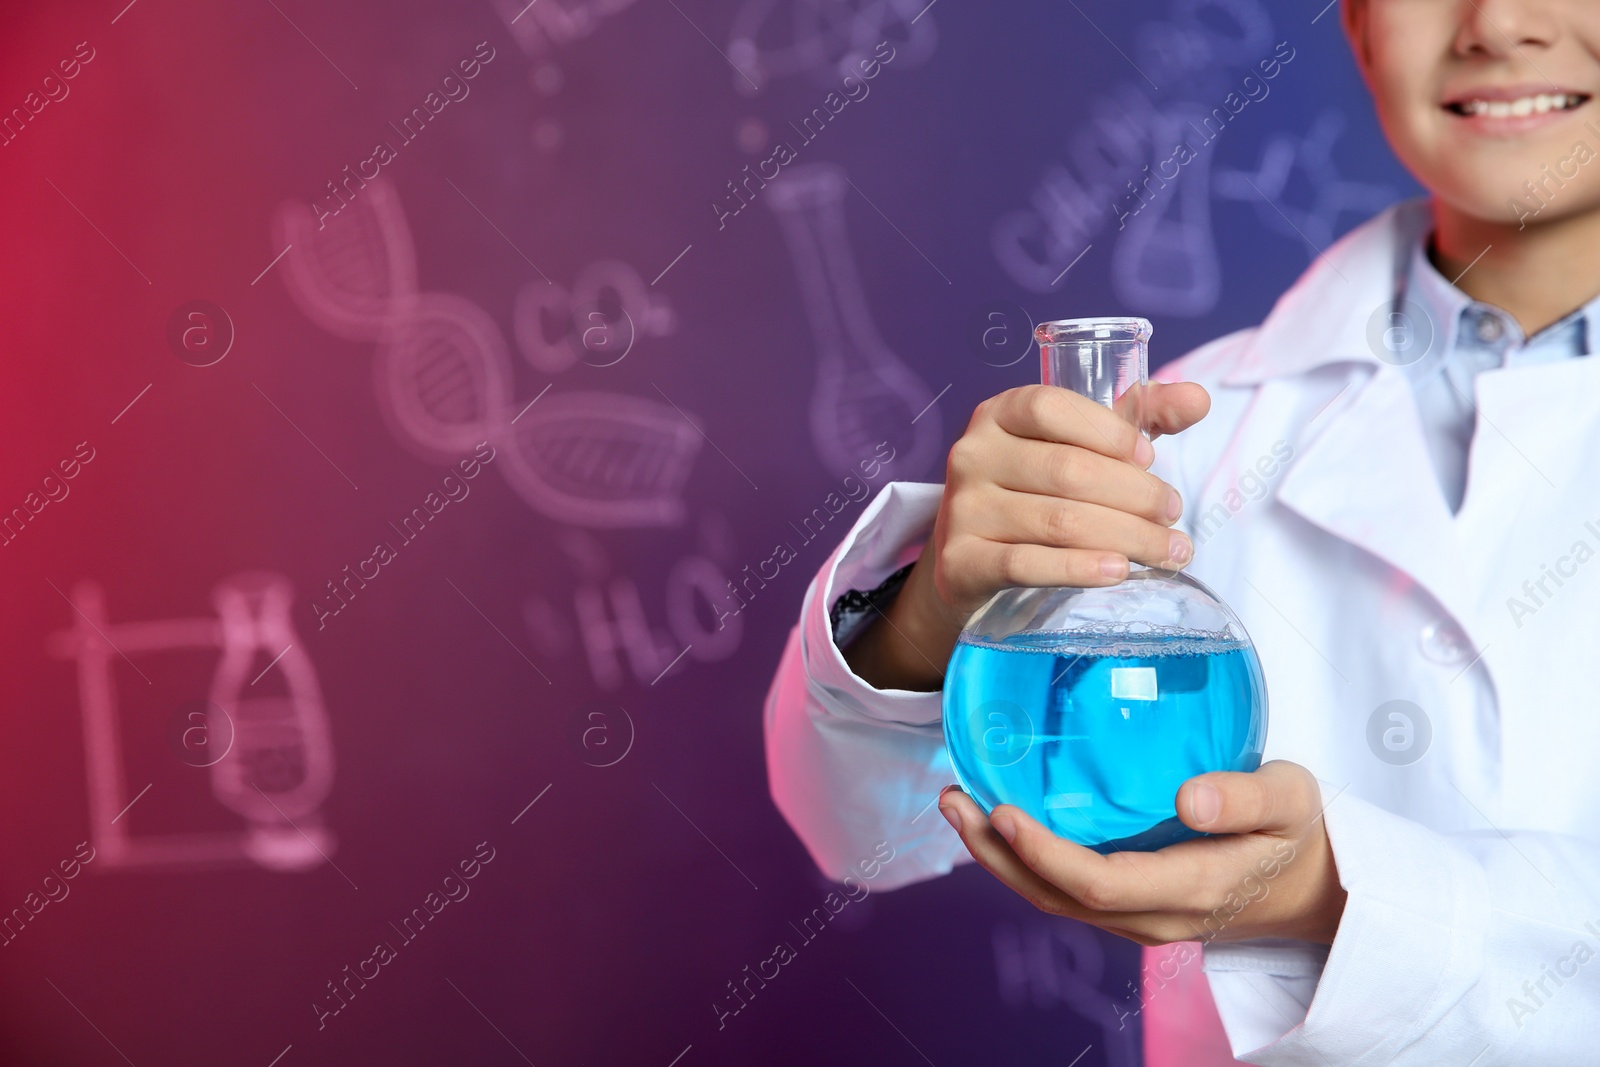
(1314, 218)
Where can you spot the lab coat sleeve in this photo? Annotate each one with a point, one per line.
(1475, 948)
(851, 766)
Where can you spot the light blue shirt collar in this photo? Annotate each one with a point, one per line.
(1463, 337)
(1452, 314)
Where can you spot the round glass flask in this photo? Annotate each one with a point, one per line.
(1088, 708)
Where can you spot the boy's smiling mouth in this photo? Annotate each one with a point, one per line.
(1536, 104)
(1513, 108)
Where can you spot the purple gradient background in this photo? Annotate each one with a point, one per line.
(607, 923)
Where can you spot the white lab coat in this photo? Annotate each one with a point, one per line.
(1472, 871)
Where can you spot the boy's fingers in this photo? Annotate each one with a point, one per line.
(1166, 881)
(1040, 889)
(1164, 407)
(1030, 519)
(995, 856)
(1171, 407)
(1280, 796)
(1070, 473)
(1000, 566)
(1050, 413)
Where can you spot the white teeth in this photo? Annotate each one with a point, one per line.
(1527, 105)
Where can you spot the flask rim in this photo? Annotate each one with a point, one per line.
(1077, 331)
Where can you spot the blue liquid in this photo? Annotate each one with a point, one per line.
(1093, 734)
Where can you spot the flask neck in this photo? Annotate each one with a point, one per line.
(1098, 358)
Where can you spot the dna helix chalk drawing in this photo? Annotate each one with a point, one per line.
(604, 459)
(864, 393)
(265, 710)
(354, 277)
(444, 378)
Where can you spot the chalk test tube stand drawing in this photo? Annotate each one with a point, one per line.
(864, 393)
(278, 766)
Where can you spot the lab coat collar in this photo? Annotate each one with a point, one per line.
(1363, 473)
(1367, 478)
(1339, 309)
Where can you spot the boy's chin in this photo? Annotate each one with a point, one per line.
(1522, 199)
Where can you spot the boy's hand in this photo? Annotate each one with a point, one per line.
(1271, 874)
(1045, 488)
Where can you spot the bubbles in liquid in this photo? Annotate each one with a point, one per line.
(1092, 731)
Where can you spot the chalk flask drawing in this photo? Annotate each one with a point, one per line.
(864, 392)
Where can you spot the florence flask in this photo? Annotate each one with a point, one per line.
(1088, 708)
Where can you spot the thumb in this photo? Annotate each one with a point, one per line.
(1279, 796)
(1165, 407)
